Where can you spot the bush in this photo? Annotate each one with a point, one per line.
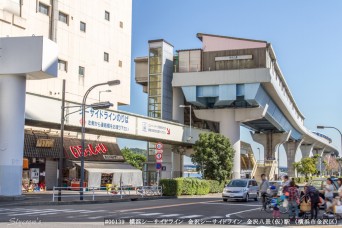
(185, 186)
(172, 187)
(215, 186)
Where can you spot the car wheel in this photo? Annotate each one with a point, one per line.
(225, 200)
(247, 198)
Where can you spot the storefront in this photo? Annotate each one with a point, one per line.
(104, 164)
(41, 154)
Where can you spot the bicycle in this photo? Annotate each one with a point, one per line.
(269, 207)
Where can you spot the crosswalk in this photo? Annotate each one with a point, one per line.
(92, 215)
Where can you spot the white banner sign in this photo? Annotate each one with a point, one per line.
(233, 57)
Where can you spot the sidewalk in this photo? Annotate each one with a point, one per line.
(70, 197)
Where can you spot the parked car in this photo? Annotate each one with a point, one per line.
(278, 185)
(320, 183)
(242, 189)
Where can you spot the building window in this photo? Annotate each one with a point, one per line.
(106, 57)
(81, 71)
(63, 17)
(44, 9)
(121, 24)
(83, 26)
(120, 63)
(62, 65)
(107, 15)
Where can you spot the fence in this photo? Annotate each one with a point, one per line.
(109, 191)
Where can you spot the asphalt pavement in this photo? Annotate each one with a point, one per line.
(150, 213)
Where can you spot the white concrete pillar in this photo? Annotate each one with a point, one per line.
(12, 121)
(229, 127)
(291, 149)
(270, 142)
(306, 149)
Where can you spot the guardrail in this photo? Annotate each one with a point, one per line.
(92, 192)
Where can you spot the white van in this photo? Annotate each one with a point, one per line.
(241, 189)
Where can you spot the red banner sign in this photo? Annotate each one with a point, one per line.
(90, 150)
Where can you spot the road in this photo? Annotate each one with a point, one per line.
(162, 210)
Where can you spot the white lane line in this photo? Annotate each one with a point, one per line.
(77, 216)
(190, 216)
(97, 217)
(228, 215)
(53, 213)
(213, 217)
(169, 215)
(148, 214)
(33, 212)
(246, 205)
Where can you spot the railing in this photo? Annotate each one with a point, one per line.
(91, 192)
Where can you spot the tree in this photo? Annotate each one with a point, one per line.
(307, 166)
(133, 159)
(214, 156)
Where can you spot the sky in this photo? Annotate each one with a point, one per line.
(306, 36)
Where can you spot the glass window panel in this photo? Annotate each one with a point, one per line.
(155, 51)
(107, 15)
(63, 17)
(155, 78)
(154, 69)
(154, 92)
(83, 26)
(155, 84)
(155, 60)
(43, 8)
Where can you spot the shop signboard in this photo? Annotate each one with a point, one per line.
(34, 175)
(45, 143)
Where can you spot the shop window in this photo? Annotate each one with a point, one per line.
(106, 56)
(62, 65)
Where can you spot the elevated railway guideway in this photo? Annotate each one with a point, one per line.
(238, 82)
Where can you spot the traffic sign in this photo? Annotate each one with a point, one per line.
(158, 166)
(159, 151)
(159, 156)
(159, 146)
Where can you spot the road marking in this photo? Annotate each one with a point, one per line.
(148, 214)
(228, 215)
(166, 206)
(247, 205)
(96, 217)
(190, 216)
(53, 213)
(169, 215)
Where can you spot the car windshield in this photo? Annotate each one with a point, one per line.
(317, 184)
(237, 183)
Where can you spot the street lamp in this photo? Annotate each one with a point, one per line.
(110, 83)
(103, 91)
(100, 105)
(188, 106)
(322, 127)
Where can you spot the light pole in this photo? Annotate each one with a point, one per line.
(259, 155)
(103, 91)
(322, 127)
(188, 106)
(110, 83)
(61, 152)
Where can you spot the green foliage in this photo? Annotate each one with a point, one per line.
(216, 186)
(214, 156)
(307, 166)
(132, 158)
(172, 187)
(185, 186)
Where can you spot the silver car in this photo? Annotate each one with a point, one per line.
(242, 189)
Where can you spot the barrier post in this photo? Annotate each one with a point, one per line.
(93, 194)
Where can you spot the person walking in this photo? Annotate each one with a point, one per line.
(263, 190)
(313, 195)
(293, 200)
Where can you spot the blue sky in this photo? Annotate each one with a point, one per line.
(306, 36)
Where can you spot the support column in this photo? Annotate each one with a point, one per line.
(306, 149)
(12, 121)
(270, 142)
(291, 149)
(229, 127)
